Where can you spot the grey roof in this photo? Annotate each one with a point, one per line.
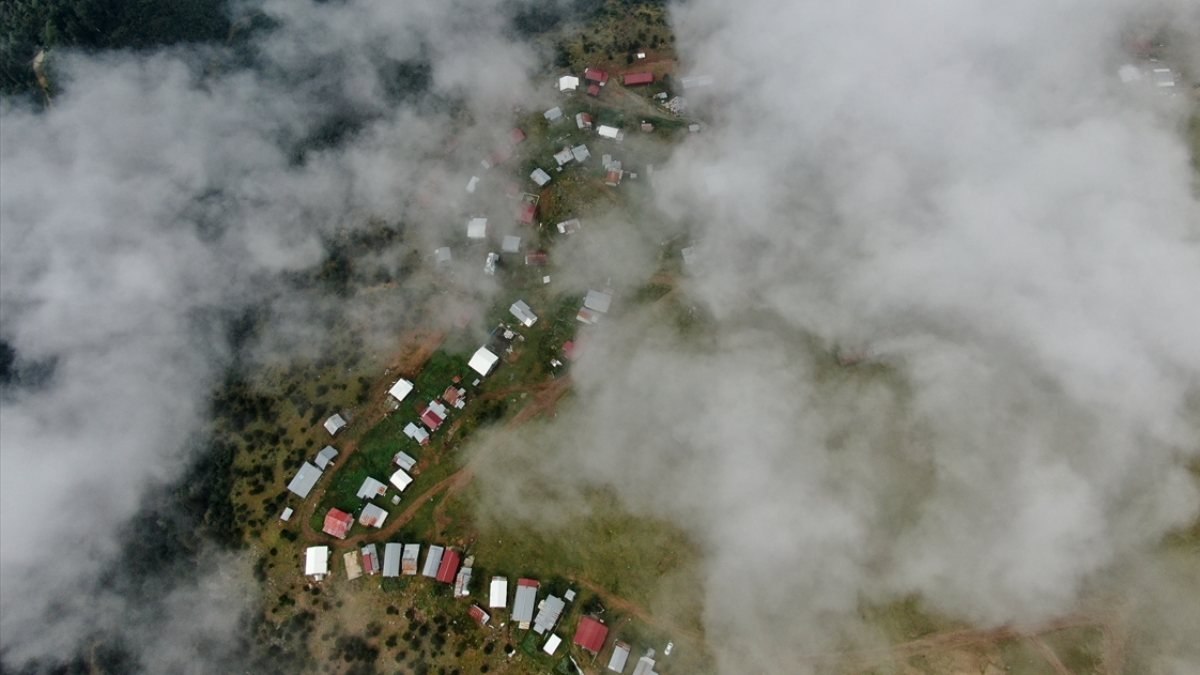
(645, 666)
(620, 655)
(539, 176)
(598, 301)
(325, 456)
(523, 313)
(304, 481)
(548, 612)
(432, 560)
(404, 460)
(335, 423)
(371, 488)
(511, 244)
(523, 603)
(581, 152)
(442, 255)
(409, 559)
(391, 559)
(553, 114)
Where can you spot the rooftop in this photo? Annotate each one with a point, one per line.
(337, 523)
(590, 634)
(304, 480)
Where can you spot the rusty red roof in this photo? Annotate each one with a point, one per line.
(595, 75)
(527, 213)
(449, 567)
(337, 523)
(591, 634)
(633, 79)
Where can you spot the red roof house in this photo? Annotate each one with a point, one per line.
(593, 90)
(476, 612)
(595, 75)
(517, 136)
(634, 79)
(591, 634)
(536, 259)
(449, 567)
(432, 419)
(527, 213)
(337, 523)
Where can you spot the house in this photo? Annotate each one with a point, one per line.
(325, 457)
(433, 415)
(511, 244)
(523, 313)
(645, 665)
(606, 131)
(587, 316)
(528, 211)
(448, 567)
(583, 120)
(471, 184)
(287, 514)
(619, 657)
(580, 153)
(350, 562)
(568, 83)
(489, 265)
(647, 127)
(483, 361)
(593, 90)
(540, 177)
(462, 582)
(455, 396)
(334, 424)
(481, 617)
(553, 115)
(408, 562)
(523, 602)
(549, 610)
(498, 593)
(337, 523)
(537, 258)
(404, 460)
(416, 433)
(552, 644)
(516, 136)
(564, 157)
(598, 301)
(569, 226)
(400, 479)
(477, 228)
(370, 559)
(595, 75)
(372, 516)
(371, 489)
(316, 562)
(433, 561)
(442, 255)
(590, 634)
(391, 559)
(613, 177)
(304, 480)
(638, 79)
(401, 389)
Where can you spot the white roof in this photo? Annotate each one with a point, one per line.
(335, 423)
(563, 156)
(498, 596)
(304, 480)
(415, 432)
(581, 152)
(404, 460)
(569, 226)
(391, 559)
(598, 301)
(477, 228)
(524, 313)
(645, 666)
(523, 603)
(400, 480)
(472, 183)
(552, 644)
(489, 265)
(511, 244)
(371, 488)
(432, 561)
(1129, 73)
(287, 514)
(442, 255)
(568, 83)
(548, 612)
(325, 456)
(552, 114)
(483, 361)
(619, 656)
(608, 132)
(540, 177)
(316, 561)
(401, 389)
(372, 516)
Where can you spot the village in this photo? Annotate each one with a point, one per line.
(496, 607)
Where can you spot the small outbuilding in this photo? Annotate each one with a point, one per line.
(325, 457)
(583, 120)
(442, 255)
(552, 644)
(483, 361)
(568, 83)
(523, 313)
(540, 177)
(401, 389)
(334, 424)
(511, 244)
(400, 479)
(404, 460)
(478, 615)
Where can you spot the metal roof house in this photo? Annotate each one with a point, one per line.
(433, 415)
(483, 361)
(553, 115)
(408, 562)
(540, 177)
(316, 562)
(606, 131)
(372, 516)
(448, 567)
(401, 389)
(498, 593)
(462, 582)
(404, 460)
(595, 75)
(481, 617)
(371, 489)
(325, 457)
(337, 523)
(400, 479)
(620, 657)
(511, 244)
(442, 255)
(598, 301)
(416, 433)
(581, 152)
(391, 559)
(477, 228)
(583, 120)
(552, 644)
(524, 601)
(304, 480)
(636, 79)
(524, 313)
(569, 226)
(564, 157)
(334, 424)
(568, 83)
(433, 561)
(590, 634)
(549, 610)
(645, 665)
(370, 557)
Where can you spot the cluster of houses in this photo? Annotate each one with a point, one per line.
(447, 566)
